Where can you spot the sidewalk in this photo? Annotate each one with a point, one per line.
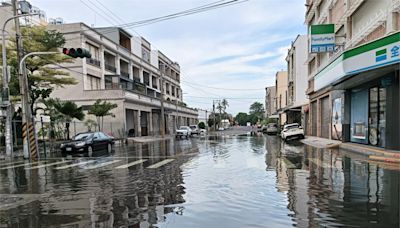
(147, 139)
(321, 142)
(373, 153)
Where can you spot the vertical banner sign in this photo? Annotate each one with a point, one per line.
(322, 38)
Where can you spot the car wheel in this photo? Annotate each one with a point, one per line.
(109, 148)
(90, 151)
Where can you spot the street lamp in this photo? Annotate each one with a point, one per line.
(25, 9)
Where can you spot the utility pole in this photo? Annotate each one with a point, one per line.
(214, 115)
(162, 102)
(22, 84)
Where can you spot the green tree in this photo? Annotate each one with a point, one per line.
(100, 109)
(257, 110)
(70, 111)
(242, 118)
(43, 73)
(202, 125)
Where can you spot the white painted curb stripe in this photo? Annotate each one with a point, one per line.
(131, 164)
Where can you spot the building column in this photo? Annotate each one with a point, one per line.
(141, 74)
(150, 119)
(130, 70)
(117, 65)
(139, 129)
(102, 66)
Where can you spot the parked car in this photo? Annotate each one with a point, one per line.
(203, 131)
(183, 131)
(271, 128)
(88, 142)
(292, 131)
(195, 129)
(221, 129)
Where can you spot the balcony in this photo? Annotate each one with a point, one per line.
(93, 62)
(124, 74)
(373, 23)
(395, 7)
(110, 68)
(115, 82)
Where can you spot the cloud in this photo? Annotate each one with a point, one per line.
(240, 47)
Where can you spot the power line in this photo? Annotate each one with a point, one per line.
(222, 88)
(230, 98)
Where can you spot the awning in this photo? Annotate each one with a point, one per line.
(273, 117)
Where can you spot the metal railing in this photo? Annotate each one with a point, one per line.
(110, 67)
(93, 62)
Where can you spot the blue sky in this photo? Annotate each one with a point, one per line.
(239, 47)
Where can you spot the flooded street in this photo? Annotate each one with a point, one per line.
(226, 181)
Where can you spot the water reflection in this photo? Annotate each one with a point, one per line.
(107, 197)
(329, 188)
(212, 182)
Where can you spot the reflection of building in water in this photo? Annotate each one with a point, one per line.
(331, 190)
(134, 197)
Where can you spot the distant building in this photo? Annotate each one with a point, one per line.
(270, 103)
(281, 84)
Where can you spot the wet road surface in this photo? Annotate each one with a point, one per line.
(202, 182)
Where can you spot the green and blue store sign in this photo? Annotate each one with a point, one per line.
(322, 38)
(380, 53)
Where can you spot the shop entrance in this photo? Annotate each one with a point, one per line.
(368, 116)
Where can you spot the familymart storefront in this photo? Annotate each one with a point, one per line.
(365, 81)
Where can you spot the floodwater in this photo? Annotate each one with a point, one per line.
(202, 182)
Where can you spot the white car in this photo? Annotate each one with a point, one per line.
(292, 131)
(195, 129)
(183, 131)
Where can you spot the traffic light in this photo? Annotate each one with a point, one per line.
(77, 52)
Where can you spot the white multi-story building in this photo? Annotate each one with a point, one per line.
(297, 79)
(124, 70)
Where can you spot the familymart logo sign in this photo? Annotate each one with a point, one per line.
(380, 55)
(322, 38)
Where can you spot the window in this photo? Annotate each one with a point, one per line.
(94, 51)
(93, 82)
(145, 55)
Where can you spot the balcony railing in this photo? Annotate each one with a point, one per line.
(124, 73)
(110, 67)
(93, 62)
(118, 82)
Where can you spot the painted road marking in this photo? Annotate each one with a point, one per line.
(15, 166)
(131, 164)
(159, 164)
(73, 165)
(10, 163)
(102, 164)
(46, 165)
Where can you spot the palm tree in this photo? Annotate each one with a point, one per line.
(224, 104)
(70, 111)
(100, 109)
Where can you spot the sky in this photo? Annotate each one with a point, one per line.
(232, 52)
